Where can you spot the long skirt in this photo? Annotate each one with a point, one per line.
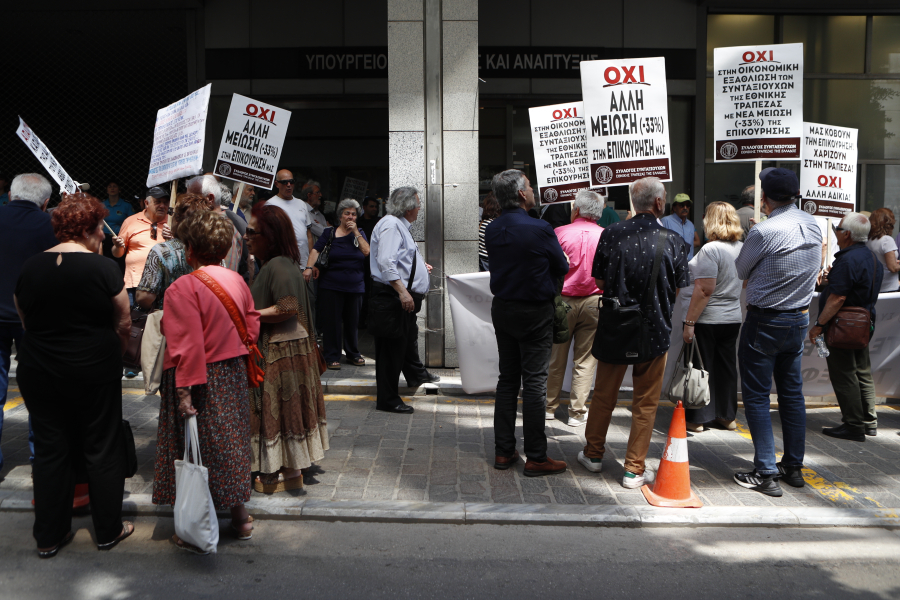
(287, 423)
(224, 426)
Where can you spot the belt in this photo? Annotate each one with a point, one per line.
(775, 311)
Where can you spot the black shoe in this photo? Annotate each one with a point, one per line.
(402, 408)
(792, 476)
(842, 432)
(871, 431)
(429, 378)
(764, 484)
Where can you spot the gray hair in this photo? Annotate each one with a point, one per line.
(645, 191)
(858, 225)
(32, 187)
(589, 204)
(506, 187)
(344, 205)
(402, 200)
(208, 185)
(306, 190)
(748, 196)
(225, 200)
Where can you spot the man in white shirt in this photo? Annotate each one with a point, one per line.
(311, 193)
(297, 212)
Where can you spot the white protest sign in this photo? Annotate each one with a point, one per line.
(42, 153)
(626, 112)
(354, 188)
(560, 151)
(828, 169)
(252, 141)
(178, 138)
(758, 102)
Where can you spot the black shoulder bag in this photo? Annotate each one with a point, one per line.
(322, 260)
(623, 332)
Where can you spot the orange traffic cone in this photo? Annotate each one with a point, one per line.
(672, 487)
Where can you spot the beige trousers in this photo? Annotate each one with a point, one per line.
(582, 325)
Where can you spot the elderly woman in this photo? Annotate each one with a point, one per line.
(167, 262)
(287, 424)
(205, 374)
(714, 315)
(884, 247)
(341, 285)
(490, 211)
(70, 370)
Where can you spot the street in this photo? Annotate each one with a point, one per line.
(378, 560)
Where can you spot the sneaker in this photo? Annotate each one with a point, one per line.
(764, 484)
(594, 465)
(633, 480)
(792, 476)
(578, 421)
(549, 416)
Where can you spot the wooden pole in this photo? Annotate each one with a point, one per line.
(172, 195)
(110, 228)
(630, 203)
(828, 233)
(757, 190)
(236, 198)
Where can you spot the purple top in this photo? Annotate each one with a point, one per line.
(346, 264)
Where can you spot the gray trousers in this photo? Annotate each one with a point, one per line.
(851, 377)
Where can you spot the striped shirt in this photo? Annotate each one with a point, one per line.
(780, 259)
(482, 251)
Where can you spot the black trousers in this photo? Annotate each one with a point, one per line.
(718, 349)
(75, 426)
(340, 323)
(397, 355)
(524, 333)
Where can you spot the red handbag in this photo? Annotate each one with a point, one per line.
(255, 374)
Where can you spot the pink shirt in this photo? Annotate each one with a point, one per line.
(197, 327)
(579, 241)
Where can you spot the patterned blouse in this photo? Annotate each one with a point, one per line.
(165, 263)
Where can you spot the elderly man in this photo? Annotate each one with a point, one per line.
(854, 280)
(311, 193)
(526, 263)
(25, 230)
(215, 193)
(399, 274)
(622, 264)
(678, 222)
(140, 232)
(780, 260)
(297, 211)
(579, 241)
(746, 211)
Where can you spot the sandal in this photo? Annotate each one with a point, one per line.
(273, 485)
(183, 545)
(312, 469)
(127, 529)
(50, 553)
(358, 362)
(334, 366)
(242, 534)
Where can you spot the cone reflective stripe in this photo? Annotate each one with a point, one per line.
(672, 487)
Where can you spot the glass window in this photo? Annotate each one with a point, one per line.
(882, 188)
(873, 107)
(831, 44)
(737, 30)
(885, 44)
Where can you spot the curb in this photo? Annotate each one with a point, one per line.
(471, 513)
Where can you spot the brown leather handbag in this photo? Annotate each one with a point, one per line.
(851, 327)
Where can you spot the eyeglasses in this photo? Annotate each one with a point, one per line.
(285, 181)
(836, 229)
(251, 231)
(153, 231)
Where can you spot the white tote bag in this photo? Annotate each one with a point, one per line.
(153, 351)
(195, 514)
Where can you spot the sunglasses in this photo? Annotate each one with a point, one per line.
(836, 229)
(285, 181)
(251, 231)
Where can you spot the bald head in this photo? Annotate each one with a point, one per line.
(284, 184)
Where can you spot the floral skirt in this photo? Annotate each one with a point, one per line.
(287, 423)
(224, 426)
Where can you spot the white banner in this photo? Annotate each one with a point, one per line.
(626, 117)
(178, 138)
(43, 154)
(252, 141)
(758, 102)
(828, 169)
(470, 307)
(560, 151)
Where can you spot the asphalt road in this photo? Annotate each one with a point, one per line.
(313, 559)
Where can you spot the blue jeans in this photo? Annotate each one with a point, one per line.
(8, 335)
(771, 346)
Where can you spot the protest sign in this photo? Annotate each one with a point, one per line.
(251, 143)
(626, 117)
(758, 102)
(42, 153)
(354, 188)
(560, 151)
(828, 169)
(178, 138)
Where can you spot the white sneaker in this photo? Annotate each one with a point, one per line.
(587, 463)
(578, 421)
(633, 480)
(549, 416)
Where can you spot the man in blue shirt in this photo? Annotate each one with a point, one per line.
(119, 208)
(527, 263)
(25, 230)
(678, 221)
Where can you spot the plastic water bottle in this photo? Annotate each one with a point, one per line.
(821, 348)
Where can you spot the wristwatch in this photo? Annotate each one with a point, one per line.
(307, 268)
